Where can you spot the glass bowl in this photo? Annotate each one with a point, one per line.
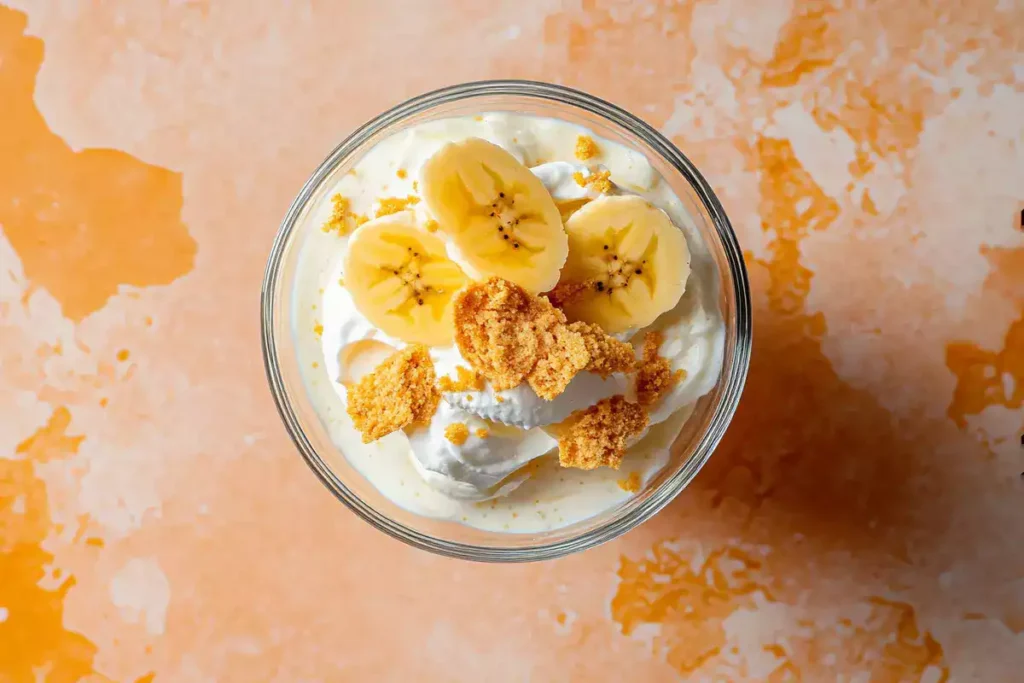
(691, 449)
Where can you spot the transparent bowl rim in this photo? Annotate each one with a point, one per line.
(724, 411)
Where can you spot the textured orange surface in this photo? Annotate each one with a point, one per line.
(862, 519)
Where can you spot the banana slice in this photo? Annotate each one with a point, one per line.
(402, 280)
(499, 215)
(629, 263)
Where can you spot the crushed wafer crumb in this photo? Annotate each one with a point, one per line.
(499, 399)
(565, 293)
(510, 336)
(630, 484)
(597, 437)
(467, 381)
(654, 376)
(318, 329)
(599, 180)
(564, 355)
(342, 220)
(498, 330)
(432, 225)
(607, 354)
(586, 148)
(399, 392)
(482, 433)
(390, 205)
(402, 173)
(457, 433)
(415, 186)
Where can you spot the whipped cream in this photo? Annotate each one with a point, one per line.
(509, 456)
(478, 469)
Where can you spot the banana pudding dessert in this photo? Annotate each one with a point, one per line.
(506, 320)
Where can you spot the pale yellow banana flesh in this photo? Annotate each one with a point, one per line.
(499, 215)
(402, 280)
(634, 261)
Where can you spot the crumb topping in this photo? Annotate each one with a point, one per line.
(586, 148)
(390, 205)
(318, 329)
(565, 293)
(607, 354)
(597, 437)
(630, 484)
(399, 392)
(654, 377)
(599, 180)
(402, 173)
(342, 220)
(432, 225)
(482, 433)
(564, 355)
(467, 381)
(510, 336)
(457, 433)
(498, 328)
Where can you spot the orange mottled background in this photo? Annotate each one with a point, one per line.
(863, 520)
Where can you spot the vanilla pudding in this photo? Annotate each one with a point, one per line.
(488, 455)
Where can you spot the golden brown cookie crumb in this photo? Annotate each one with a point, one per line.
(482, 433)
(607, 354)
(565, 292)
(655, 376)
(597, 437)
(401, 173)
(599, 180)
(564, 355)
(498, 330)
(457, 433)
(631, 483)
(586, 148)
(467, 381)
(318, 329)
(509, 336)
(499, 399)
(390, 205)
(399, 392)
(342, 220)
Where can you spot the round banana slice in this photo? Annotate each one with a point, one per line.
(629, 263)
(402, 280)
(499, 215)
